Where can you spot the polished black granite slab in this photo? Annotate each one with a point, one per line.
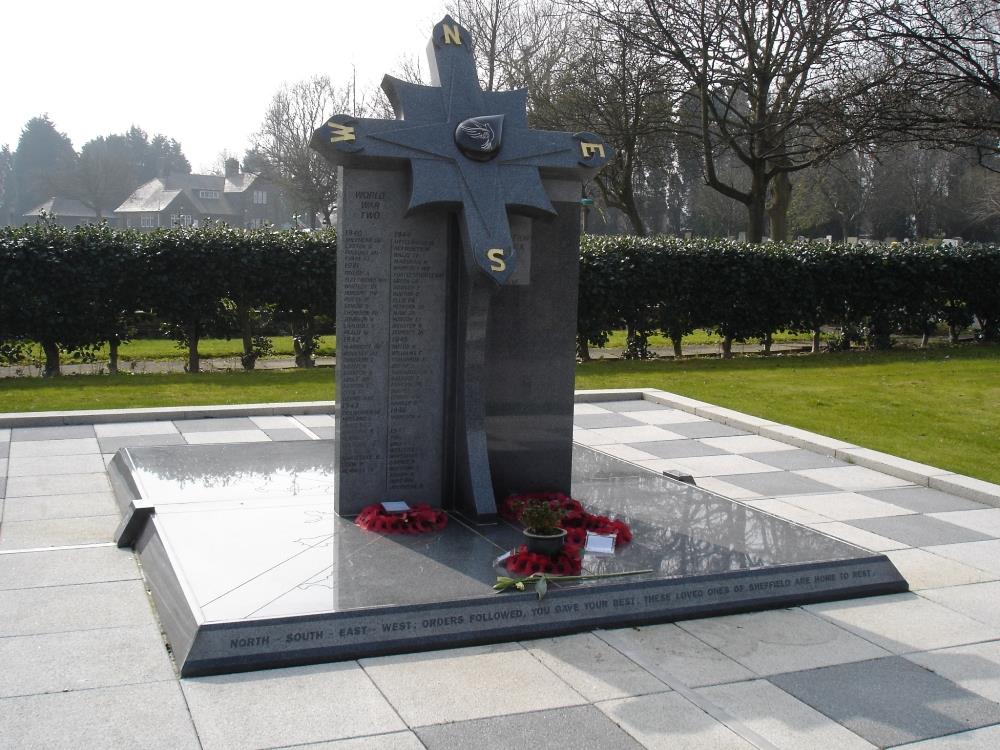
(250, 567)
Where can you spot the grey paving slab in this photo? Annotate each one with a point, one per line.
(390, 741)
(316, 420)
(52, 448)
(775, 483)
(56, 609)
(984, 520)
(637, 404)
(904, 623)
(667, 721)
(4, 449)
(924, 499)
(206, 437)
(853, 478)
(845, 506)
(681, 449)
(925, 570)
(65, 432)
(84, 463)
(282, 434)
(918, 530)
(24, 570)
(779, 718)
(123, 429)
(3, 466)
(746, 444)
(980, 601)
(57, 532)
(784, 640)
(720, 466)
(593, 421)
(83, 659)
(856, 536)
(982, 555)
(214, 425)
(975, 667)
(4, 434)
(276, 423)
(62, 484)
(987, 738)
(42, 507)
(665, 416)
(289, 707)
(594, 669)
(113, 444)
(921, 705)
(468, 683)
(150, 716)
(324, 433)
(706, 430)
(583, 726)
(680, 654)
(3, 487)
(797, 459)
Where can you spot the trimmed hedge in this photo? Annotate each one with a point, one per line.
(746, 291)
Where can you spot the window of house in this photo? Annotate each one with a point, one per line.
(147, 221)
(181, 220)
(208, 194)
(260, 197)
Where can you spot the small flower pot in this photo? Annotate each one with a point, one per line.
(545, 544)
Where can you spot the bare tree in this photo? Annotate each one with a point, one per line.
(281, 146)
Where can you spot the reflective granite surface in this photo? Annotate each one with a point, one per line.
(252, 534)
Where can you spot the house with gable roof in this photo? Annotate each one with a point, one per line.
(240, 199)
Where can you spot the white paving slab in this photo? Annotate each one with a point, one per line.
(62, 484)
(853, 478)
(856, 536)
(122, 429)
(639, 434)
(44, 465)
(276, 423)
(706, 466)
(665, 416)
(51, 448)
(789, 512)
(980, 601)
(985, 521)
(926, 570)
(626, 453)
(884, 462)
(975, 667)
(317, 420)
(970, 487)
(982, 555)
(724, 488)
(227, 436)
(580, 409)
(987, 738)
(747, 444)
(845, 506)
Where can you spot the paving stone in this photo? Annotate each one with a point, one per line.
(637, 404)
(56, 609)
(42, 507)
(24, 570)
(233, 436)
(280, 435)
(681, 449)
(4, 449)
(707, 429)
(904, 623)
(680, 654)
(784, 640)
(316, 420)
(86, 463)
(790, 512)
(4, 434)
(57, 532)
(390, 741)
(858, 537)
(919, 706)
(467, 683)
(980, 601)
(982, 555)
(919, 530)
(584, 726)
(83, 659)
(62, 484)
(987, 738)
(667, 721)
(853, 478)
(747, 444)
(588, 409)
(779, 718)
(275, 423)
(54, 448)
(925, 570)
(289, 706)
(713, 484)
(984, 520)
(214, 425)
(324, 433)
(626, 453)
(594, 669)
(593, 421)
(970, 487)
(3, 466)
(924, 500)
(643, 433)
(150, 716)
(123, 429)
(776, 483)
(3, 489)
(63, 432)
(722, 466)
(114, 444)
(665, 416)
(975, 667)
(797, 458)
(845, 506)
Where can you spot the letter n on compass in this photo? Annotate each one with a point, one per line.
(470, 156)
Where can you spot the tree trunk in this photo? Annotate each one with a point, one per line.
(51, 350)
(757, 209)
(582, 349)
(767, 340)
(727, 347)
(777, 211)
(953, 331)
(249, 358)
(676, 341)
(194, 361)
(924, 339)
(113, 355)
(816, 341)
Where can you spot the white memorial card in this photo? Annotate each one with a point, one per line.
(395, 506)
(601, 544)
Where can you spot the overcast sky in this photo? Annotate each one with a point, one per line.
(201, 72)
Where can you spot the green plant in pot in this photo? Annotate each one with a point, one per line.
(541, 527)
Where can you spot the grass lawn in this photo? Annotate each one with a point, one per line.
(617, 339)
(940, 406)
(167, 349)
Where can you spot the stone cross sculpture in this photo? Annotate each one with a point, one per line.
(451, 378)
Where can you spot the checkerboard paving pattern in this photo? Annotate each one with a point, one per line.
(83, 663)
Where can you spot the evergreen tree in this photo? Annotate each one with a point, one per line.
(44, 163)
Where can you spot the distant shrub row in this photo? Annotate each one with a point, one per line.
(746, 292)
(77, 289)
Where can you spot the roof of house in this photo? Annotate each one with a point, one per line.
(59, 206)
(157, 195)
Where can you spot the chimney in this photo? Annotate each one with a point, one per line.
(232, 167)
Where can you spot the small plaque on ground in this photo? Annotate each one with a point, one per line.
(395, 506)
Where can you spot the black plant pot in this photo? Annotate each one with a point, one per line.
(545, 544)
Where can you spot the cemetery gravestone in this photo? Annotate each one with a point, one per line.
(458, 236)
